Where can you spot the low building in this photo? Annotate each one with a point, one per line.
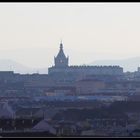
(61, 90)
(6, 111)
(89, 86)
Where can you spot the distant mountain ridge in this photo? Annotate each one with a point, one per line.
(130, 64)
(10, 65)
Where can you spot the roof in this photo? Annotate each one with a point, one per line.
(61, 53)
(44, 126)
(88, 132)
(61, 88)
(47, 112)
(93, 80)
(26, 111)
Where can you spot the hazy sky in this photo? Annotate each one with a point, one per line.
(30, 33)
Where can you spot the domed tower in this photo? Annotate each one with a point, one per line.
(61, 61)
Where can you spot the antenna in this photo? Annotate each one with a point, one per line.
(61, 45)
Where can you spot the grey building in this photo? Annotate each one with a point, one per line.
(62, 67)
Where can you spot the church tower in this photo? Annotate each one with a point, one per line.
(61, 61)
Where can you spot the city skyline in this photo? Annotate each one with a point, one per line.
(69, 69)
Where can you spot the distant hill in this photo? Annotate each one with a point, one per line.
(130, 64)
(10, 65)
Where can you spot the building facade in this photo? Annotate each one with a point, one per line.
(61, 67)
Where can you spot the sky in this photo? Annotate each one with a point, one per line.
(30, 33)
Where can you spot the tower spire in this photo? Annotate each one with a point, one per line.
(61, 45)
